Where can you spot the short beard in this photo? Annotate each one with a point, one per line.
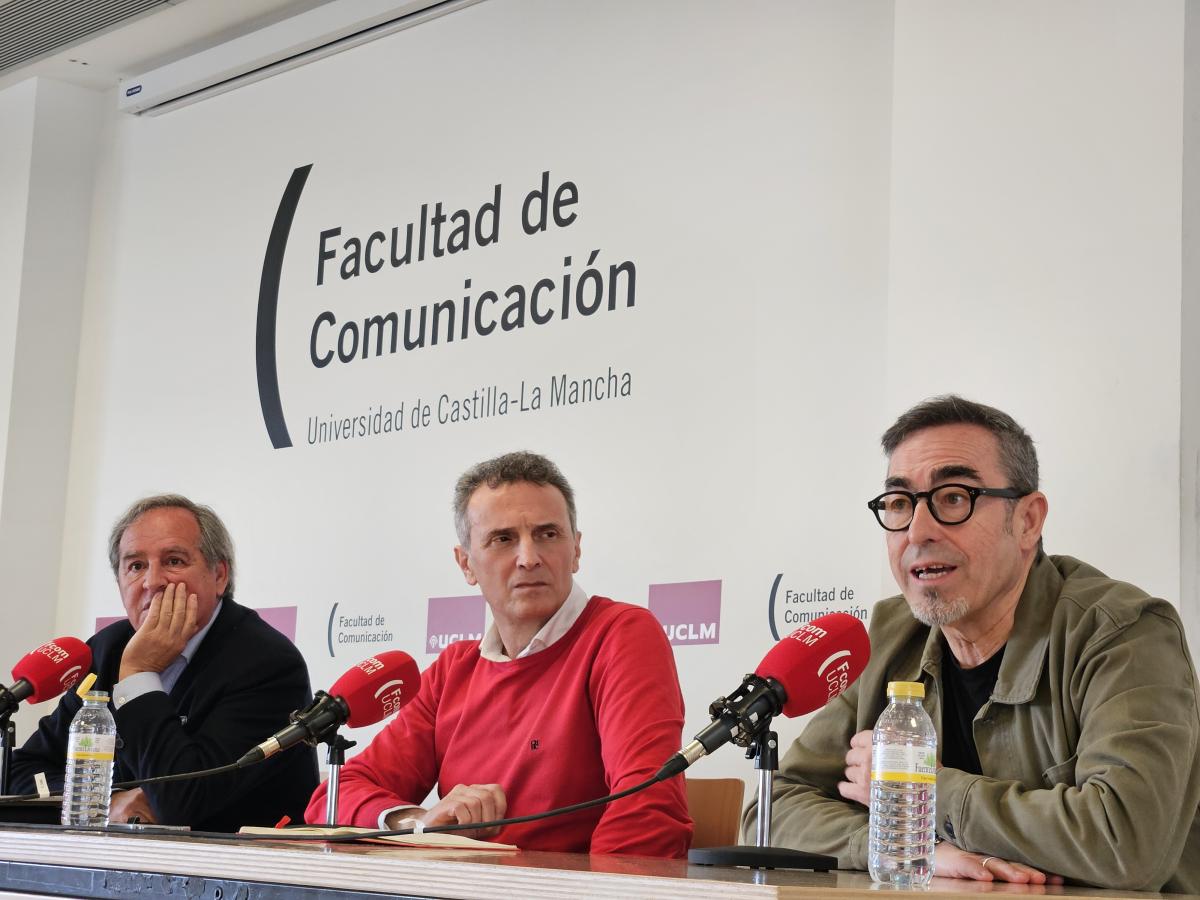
(934, 610)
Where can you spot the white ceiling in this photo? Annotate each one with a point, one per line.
(163, 35)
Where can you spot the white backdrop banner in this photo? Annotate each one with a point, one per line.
(647, 244)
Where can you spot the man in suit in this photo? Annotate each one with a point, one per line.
(195, 680)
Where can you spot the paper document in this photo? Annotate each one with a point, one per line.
(448, 840)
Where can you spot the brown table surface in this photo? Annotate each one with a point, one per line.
(461, 873)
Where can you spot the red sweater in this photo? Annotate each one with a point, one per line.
(594, 713)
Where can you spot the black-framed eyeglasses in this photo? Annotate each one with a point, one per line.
(950, 504)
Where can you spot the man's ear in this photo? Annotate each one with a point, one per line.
(464, 562)
(1031, 516)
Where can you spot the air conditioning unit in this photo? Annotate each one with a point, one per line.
(320, 32)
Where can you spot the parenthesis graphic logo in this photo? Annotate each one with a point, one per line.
(329, 631)
(70, 676)
(771, 606)
(268, 309)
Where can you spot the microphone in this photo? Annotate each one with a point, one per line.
(802, 672)
(46, 672)
(368, 693)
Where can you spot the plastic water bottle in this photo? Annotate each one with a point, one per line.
(91, 746)
(903, 782)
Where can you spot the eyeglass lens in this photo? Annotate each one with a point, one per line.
(950, 505)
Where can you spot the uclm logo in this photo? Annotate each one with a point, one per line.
(53, 652)
(453, 619)
(690, 611)
(370, 665)
(391, 697)
(439, 642)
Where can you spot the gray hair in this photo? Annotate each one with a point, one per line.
(507, 469)
(216, 545)
(1017, 453)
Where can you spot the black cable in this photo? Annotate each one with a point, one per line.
(126, 785)
(242, 763)
(282, 833)
(438, 829)
(497, 823)
(180, 776)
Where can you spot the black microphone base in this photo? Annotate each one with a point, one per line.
(762, 858)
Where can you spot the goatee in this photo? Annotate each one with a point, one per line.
(931, 608)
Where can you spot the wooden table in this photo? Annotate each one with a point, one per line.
(107, 865)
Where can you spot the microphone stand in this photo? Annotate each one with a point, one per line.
(336, 758)
(8, 735)
(765, 751)
(8, 740)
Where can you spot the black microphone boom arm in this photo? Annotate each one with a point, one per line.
(737, 719)
(312, 725)
(742, 715)
(11, 697)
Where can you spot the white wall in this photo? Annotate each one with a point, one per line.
(1189, 456)
(1035, 251)
(16, 150)
(47, 161)
(751, 197)
(835, 210)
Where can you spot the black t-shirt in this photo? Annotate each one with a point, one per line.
(964, 692)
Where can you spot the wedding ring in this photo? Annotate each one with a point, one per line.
(985, 861)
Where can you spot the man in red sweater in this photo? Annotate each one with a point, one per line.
(567, 698)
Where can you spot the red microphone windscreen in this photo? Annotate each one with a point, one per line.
(378, 687)
(817, 661)
(54, 667)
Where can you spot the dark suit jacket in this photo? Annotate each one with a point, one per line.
(238, 690)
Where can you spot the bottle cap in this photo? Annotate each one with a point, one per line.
(86, 685)
(96, 696)
(906, 689)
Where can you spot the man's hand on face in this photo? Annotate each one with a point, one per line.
(130, 804)
(951, 862)
(169, 624)
(464, 804)
(857, 786)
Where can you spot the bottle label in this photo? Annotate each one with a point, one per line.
(101, 747)
(903, 762)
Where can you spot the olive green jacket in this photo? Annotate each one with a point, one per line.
(1088, 742)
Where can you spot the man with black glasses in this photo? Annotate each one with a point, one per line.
(1065, 701)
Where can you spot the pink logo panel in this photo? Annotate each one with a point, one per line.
(281, 618)
(105, 621)
(453, 619)
(690, 611)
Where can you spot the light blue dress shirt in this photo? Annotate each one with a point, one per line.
(144, 682)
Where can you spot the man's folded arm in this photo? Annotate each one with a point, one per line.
(1123, 819)
(639, 717)
(155, 742)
